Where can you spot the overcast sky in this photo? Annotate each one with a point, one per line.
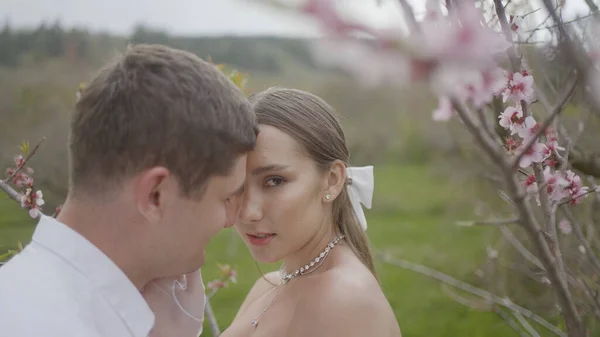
(197, 17)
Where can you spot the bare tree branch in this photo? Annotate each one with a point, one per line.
(520, 248)
(577, 229)
(512, 54)
(511, 322)
(438, 275)
(492, 222)
(212, 319)
(410, 16)
(16, 196)
(526, 324)
(487, 143)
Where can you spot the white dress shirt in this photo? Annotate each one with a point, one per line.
(61, 285)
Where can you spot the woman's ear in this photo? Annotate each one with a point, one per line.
(335, 180)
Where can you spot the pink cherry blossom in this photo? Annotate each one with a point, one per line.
(325, 11)
(433, 10)
(511, 144)
(535, 154)
(552, 142)
(530, 184)
(519, 87)
(511, 118)
(33, 201)
(19, 161)
(578, 195)
(216, 284)
(460, 37)
(515, 23)
(444, 110)
(480, 87)
(565, 226)
(555, 184)
(233, 276)
(528, 128)
(575, 190)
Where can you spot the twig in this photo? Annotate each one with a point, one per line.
(590, 191)
(486, 127)
(577, 229)
(511, 322)
(212, 320)
(31, 153)
(16, 196)
(410, 15)
(555, 26)
(520, 248)
(484, 141)
(438, 275)
(550, 220)
(528, 273)
(492, 222)
(472, 304)
(512, 54)
(594, 298)
(526, 324)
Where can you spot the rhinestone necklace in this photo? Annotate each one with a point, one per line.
(307, 269)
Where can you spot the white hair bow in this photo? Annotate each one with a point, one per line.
(360, 190)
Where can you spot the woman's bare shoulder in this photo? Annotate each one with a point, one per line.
(345, 302)
(260, 287)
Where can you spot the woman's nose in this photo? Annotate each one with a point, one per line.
(250, 209)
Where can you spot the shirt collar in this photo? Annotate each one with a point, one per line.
(102, 272)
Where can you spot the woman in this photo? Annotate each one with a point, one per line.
(296, 208)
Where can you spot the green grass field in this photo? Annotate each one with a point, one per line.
(413, 216)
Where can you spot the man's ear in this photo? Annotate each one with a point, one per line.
(335, 179)
(151, 191)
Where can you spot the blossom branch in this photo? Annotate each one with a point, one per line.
(571, 315)
(553, 114)
(16, 196)
(24, 162)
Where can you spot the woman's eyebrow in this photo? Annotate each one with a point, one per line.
(268, 168)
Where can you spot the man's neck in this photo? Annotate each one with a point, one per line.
(107, 228)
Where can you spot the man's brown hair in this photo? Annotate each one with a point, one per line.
(157, 105)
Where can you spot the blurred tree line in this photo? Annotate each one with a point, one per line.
(265, 54)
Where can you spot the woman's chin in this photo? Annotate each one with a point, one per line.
(263, 257)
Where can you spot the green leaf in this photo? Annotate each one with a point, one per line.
(24, 147)
(5, 256)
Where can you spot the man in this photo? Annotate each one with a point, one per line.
(157, 159)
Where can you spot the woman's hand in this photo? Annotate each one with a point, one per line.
(178, 305)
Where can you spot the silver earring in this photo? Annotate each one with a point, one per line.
(327, 196)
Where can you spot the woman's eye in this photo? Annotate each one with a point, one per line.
(274, 181)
